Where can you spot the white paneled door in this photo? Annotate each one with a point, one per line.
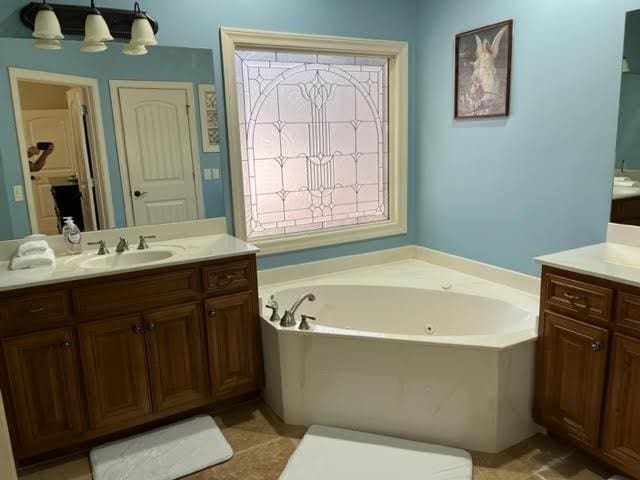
(157, 142)
(50, 126)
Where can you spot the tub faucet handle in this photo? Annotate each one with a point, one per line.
(275, 317)
(304, 324)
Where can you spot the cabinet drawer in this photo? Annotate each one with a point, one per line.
(229, 277)
(578, 299)
(134, 294)
(628, 313)
(36, 311)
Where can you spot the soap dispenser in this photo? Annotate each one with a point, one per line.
(72, 236)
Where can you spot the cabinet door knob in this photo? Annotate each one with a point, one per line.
(66, 344)
(151, 326)
(225, 279)
(137, 328)
(36, 310)
(597, 346)
(212, 312)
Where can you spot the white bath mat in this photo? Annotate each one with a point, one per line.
(167, 453)
(337, 454)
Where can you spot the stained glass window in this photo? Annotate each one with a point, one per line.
(314, 133)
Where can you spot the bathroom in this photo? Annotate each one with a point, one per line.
(475, 280)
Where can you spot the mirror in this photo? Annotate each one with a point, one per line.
(112, 140)
(625, 205)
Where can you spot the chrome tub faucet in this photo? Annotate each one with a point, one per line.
(289, 318)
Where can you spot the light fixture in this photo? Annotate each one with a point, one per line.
(133, 49)
(47, 26)
(136, 27)
(47, 44)
(92, 47)
(625, 65)
(96, 29)
(141, 30)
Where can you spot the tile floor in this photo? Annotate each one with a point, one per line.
(263, 444)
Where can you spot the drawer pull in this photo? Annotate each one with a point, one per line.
(137, 329)
(66, 344)
(212, 312)
(36, 310)
(225, 279)
(576, 300)
(597, 346)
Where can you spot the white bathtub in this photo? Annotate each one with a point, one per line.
(448, 366)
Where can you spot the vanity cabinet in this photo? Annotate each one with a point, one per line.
(574, 363)
(47, 407)
(175, 343)
(233, 352)
(588, 366)
(621, 436)
(115, 370)
(93, 360)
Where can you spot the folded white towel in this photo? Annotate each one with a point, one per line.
(32, 247)
(621, 179)
(36, 260)
(627, 184)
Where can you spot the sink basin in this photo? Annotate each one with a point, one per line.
(622, 255)
(131, 258)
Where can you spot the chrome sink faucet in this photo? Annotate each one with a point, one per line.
(142, 244)
(289, 318)
(123, 246)
(102, 250)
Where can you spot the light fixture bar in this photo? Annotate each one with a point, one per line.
(72, 18)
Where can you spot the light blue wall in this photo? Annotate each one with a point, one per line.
(196, 23)
(499, 191)
(504, 191)
(161, 64)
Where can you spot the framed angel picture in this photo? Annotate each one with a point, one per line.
(209, 118)
(483, 71)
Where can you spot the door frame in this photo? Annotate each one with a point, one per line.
(101, 165)
(188, 88)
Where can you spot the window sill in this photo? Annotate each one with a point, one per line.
(337, 236)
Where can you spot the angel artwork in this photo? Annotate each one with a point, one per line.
(483, 71)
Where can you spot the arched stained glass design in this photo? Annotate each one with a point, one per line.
(314, 132)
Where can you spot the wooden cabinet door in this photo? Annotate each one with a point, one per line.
(115, 368)
(177, 363)
(44, 386)
(232, 333)
(621, 439)
(573, 377)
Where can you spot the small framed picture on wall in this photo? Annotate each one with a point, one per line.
(483, 71)
(209, 118)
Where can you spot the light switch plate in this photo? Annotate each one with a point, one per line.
(18, 193)
(215, 173)
(207, 173)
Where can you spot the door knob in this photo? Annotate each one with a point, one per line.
(151, 326)
(66, 344)
(212, 312)
(138, 193)
(597, 346)
(137, 328)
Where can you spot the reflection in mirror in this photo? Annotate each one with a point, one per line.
(625, 206)
(109, 139)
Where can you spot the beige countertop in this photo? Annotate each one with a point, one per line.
(70, 268)
(611, 261)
